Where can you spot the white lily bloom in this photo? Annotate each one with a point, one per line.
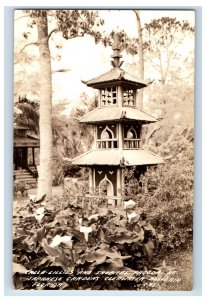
(57, 240)
(93, 217)
(66, 238)
(40, 211)
(39, 214)
(39, 217)
(86, 230)
(32, 197)
(131, 216)
(129, 203)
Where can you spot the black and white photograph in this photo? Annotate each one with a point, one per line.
(103, 149)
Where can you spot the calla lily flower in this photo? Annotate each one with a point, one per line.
(93, 217)
(131, 216)
(86, 230)
(32, 197)
(57, 240)
(129, 203)
(40, 210)
(39, 214)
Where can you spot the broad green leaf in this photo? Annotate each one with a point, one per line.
(19, 239)
(95, 256)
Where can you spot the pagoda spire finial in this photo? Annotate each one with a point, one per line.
(116, 63)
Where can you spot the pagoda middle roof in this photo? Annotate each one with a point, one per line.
(113, 76)
(117, 157)
(115, 113)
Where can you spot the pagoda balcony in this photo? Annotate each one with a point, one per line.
(106, 144)
(132, 143)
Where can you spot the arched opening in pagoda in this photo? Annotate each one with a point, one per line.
(107, 134)
(131, 133)
(107, 139)
(131, 140)
(106, 187)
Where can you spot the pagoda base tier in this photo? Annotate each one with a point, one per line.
(107, 170)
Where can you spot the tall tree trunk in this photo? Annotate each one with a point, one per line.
(45, 172)
(141, 57)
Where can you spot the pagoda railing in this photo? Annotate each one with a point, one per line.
(128, 102)
(107, 144)
(104, 201)
(132, 143)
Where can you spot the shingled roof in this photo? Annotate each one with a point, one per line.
(114, 76)
(105, 114)
(26, 141)
(117, 157)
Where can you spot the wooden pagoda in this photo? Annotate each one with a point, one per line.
(117, 123)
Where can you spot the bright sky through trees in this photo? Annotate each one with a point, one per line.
(83, 58)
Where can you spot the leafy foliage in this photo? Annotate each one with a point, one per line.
(113, 244)
(165, 194)
(77, 23)
(28, 114)
(162, 42)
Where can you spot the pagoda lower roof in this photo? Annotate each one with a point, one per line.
(113, 76)
(117, 157)
(26, 142)
(114, 113)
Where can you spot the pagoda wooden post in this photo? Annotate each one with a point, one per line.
(93, 180)
(120, 135)
(33, 157)
(95, 135)
(99, 98)
(122, 181)
(25, 161)
(90, 181)
(119, 187)
(119, 96)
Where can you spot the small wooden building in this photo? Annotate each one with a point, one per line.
(24, 155)
(117, 123)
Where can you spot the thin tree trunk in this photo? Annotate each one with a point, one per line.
(141, 57)
(45, 173)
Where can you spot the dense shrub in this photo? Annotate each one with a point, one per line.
(165, 194)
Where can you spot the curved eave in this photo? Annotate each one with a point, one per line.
(110, 83)
(115, 114)
(117, 157)
(116, 76)
(113, 121)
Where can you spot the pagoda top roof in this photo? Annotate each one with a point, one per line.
(115, 76)
(115, 113)
(117, 157)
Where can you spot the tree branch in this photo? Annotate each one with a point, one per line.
(21, 18)
(155, 65)
(51, 32)
(150, 134)
(25, 46)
